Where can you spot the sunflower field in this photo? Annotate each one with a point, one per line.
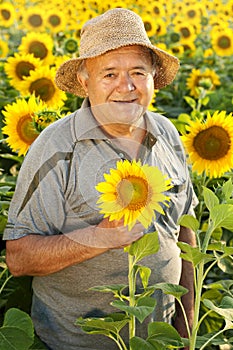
(36, 37)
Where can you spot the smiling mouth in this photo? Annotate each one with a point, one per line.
(125, 101)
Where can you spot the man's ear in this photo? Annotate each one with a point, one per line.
(83, 81)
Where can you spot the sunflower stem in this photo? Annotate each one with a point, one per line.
(198, 292)
(132, 287)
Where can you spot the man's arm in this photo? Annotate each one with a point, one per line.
(187, 280)
(37, 255)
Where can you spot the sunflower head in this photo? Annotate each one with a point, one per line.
(19, 124)
(134, 192)
(209, 144)
(19, 66)
(41, 83)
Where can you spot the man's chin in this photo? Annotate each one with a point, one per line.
(119, 112)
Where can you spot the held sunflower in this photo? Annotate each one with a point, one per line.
(209, 144)
(134, 192)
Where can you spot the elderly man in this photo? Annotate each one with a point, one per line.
(55, 232)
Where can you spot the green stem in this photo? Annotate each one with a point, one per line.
(119, 341)
(210, 339)
(198, 291)
(185, 316)
(4, 283)
(193, 336)
(132, 286)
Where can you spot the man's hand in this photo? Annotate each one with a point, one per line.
(113, 234)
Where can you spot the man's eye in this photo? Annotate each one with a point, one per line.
(109, 75)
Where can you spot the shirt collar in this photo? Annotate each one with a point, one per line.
(86, 126)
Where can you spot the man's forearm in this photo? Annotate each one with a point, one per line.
(37, 255)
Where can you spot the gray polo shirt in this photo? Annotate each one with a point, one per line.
(56, 194)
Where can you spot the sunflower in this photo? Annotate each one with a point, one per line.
(41, 83)
(186, 31)
(38, 44)
(33, 18)
(209, 144)
(207, 79)
(3, 49)
(71, 45)
(55, 21)
(7, 14)
(134, 192)
(150, 25)
(19, 67)
(19, 124)
(156, 9)
(222, 42)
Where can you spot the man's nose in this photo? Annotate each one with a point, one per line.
(125, 83)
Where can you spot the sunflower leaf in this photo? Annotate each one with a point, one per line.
(112, 324)
(172, 289)
(193, 254)
(222, 216)
(144, 307)
(211, 200)
(225, 309)
(147, 245)
(190, 222)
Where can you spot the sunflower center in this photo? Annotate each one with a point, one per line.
(35, 20)
(224, 42)
(185, 32)
(206, 82)
(133, 192)
(6, 14)
(156, 10)
(147, 26)
(191, 13)
(38, 49)
(71, 45)
(25, 129)
(54, 20)
(43, 88)
(212, 143)
(23, 69)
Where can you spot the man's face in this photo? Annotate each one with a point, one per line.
(121, 80)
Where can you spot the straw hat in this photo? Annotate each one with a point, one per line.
(115, 28)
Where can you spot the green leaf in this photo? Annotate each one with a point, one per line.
(144, 307)
(225, 264)
(145, 273)
(164, 334)
(190, 222)
(222, 216)
(173, 289)
(227, 313)
(193, 254)
(111, 324)
(147, 245)
(137, 343)
(227, 189)
(224, 285)
(17, 332)
(211, 200)
(191, 102)
(114, 288)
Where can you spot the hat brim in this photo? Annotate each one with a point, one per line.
(167, 67)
